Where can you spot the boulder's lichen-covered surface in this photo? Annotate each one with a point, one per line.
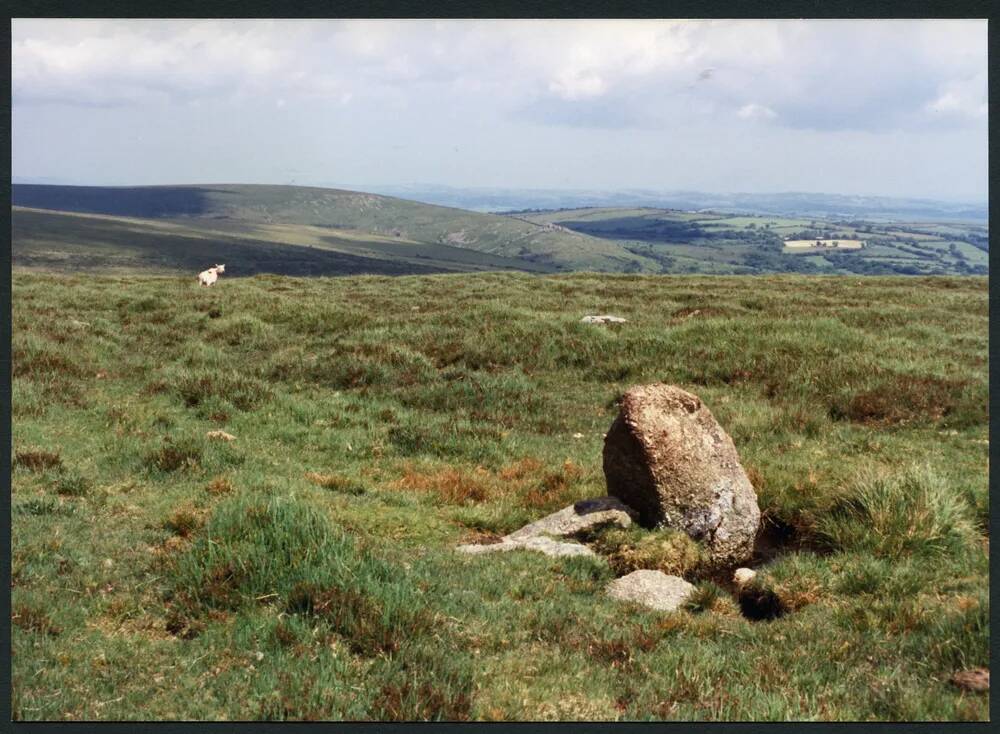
(667, 457)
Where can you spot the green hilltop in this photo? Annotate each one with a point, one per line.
(249, 210)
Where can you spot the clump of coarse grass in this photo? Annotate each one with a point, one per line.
(220, 485)
(258, 548)
(37, 459)
(708, 596)
(241, 391)
(244, 330)
(902, 399)
(40, 359)
(43, 506)
(33, 619)
(668, 550)
(555, 488)
(174, 455)
(336, 483)
(888, 515)
(183, 521)
(451, 485)
(424, 685)
(71, 484)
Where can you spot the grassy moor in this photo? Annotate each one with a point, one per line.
(243, 502)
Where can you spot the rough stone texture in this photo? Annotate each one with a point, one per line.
(976, 680)
(583, 515)
(539, 535)
(603, 319)
(667, 457)
(653, 589)
(542, 544)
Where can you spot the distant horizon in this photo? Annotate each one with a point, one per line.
(44, 181)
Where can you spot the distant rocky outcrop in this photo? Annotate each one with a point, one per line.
(653, 589)
(542, 535)
(667, 457)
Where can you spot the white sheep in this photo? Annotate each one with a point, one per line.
(208, 277)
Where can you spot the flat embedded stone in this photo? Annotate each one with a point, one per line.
(653, 589)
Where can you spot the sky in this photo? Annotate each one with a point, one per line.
(889, 108)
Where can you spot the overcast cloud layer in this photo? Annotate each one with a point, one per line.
(892, 108)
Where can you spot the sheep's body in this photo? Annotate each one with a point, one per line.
(208, 277)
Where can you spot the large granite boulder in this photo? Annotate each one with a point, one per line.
(667, 457)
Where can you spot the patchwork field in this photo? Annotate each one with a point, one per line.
(306, 568)
(823, 245)
(712, 242)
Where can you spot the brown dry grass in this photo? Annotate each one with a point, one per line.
(903, 399)
(526, 479)
(37, 459)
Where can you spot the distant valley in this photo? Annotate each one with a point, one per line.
(297, 230)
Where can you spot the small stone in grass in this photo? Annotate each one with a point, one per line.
(743, 576)
(653, 589)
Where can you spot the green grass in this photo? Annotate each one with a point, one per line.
(305, 570)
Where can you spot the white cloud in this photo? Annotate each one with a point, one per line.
(578, 85)
(850, 75)
(755, 111)
(964, 98)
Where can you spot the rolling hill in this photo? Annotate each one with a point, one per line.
(67, 241)
(269, 217)
(294, 230)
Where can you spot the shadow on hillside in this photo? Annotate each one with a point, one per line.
(68, 243)
(152, 201)
(638, 228)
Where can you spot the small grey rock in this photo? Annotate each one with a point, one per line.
(603, 319)
(653, 589)
(542, 535)
(743, 576)
(584, 515)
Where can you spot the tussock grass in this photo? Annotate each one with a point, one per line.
(173, 456)
(257, 548)
(241, 391)
(913, 512)
(36, 459)
(706, 597)
(71, 483)
(34, 620)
